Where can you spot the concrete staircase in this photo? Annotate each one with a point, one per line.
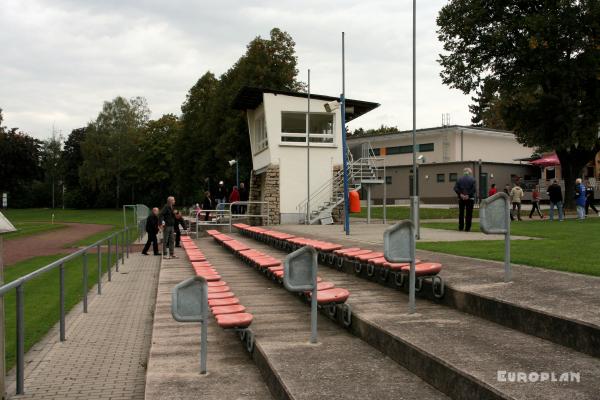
(331, 194)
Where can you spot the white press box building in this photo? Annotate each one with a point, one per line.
(277, 124)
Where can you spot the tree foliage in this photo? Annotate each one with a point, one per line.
(536, 63)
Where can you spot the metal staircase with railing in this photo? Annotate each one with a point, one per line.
(323, 201)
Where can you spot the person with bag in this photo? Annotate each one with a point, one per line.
(152, 231)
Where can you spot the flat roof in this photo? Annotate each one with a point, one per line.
(248, 98)
(424, 130)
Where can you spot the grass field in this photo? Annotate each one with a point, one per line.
(398, 213)
(42, 310)
(566, 246)
(38, 220)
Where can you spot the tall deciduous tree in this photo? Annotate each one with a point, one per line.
(541, 59)
(111, 146)
(51, 162)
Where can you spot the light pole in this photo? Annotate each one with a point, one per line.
(414, 203)
(344, 148)
(237, 171)
(308, 154)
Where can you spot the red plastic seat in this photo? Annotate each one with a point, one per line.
(424, 269)
(222, 295)
(201, 264)
(267, 262)
(239, 320)
(342, 252)
(368, 256)
(196, 258)
(210, 278)
(218, 289)
(205, 270)
(379, 261)
(354, 254)
(398, 266)
(277, 268)
(217, 283)
(212, 232)
(223, 302)
(335, 295)
(236, 308)
(324, 286)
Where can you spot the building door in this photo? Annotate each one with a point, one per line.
(483, 185)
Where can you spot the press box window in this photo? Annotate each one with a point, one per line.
(293, 127)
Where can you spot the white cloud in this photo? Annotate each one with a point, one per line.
(63, 58)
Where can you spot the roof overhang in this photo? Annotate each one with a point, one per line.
(249, 98)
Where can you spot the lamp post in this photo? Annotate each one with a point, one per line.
(237, 171)
(344, 147)
(5, 227)
(414, 203)
(308, 154)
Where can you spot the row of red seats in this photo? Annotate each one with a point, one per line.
(327, 293)
(225, 307)
(336, 254)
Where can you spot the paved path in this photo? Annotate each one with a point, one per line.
(49, 243)
(106, 351)
(174, 362)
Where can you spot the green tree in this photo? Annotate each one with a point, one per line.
(208, 120)
(155, 161)
(111, 147)
(51, 163)
(541, 59)
(76, 196)
(20, 155)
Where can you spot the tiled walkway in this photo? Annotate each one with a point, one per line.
(106, 351)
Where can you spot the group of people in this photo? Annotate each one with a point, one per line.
(170, 222)
(466, 190)
(223, 196)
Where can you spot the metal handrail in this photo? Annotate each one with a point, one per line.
(262, 216)
(121, 252)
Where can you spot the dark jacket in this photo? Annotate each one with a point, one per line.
(152, 224)
(589, 191)
(167, 216)
(555, 193)
(243, 194)
(179, 222)
(221, 193)
(466, 185)
(208, 203)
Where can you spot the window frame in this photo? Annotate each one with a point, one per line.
(316, 139)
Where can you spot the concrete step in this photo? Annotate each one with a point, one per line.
(340, 366)
(174, 362)
(458, 353)
(556, 306)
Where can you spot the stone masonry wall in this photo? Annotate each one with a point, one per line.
(268, 182)
(338, 211)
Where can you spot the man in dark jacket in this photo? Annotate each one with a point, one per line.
(243, 197)
(152, 231)
(179, 221)
(556, 200)
(207, 204)
(167, 221)
(465, 188)
(589, 201)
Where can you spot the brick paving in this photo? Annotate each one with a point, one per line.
(106, 351)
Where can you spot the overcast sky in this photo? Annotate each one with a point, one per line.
(62, 58)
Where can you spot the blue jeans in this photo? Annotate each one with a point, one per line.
(558, 205)
(580, 212)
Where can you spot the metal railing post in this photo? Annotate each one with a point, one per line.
(117, 252)
(123, 247)
(85, 283)
(128, 240)
(99, 270)
(20, 341)
(62, 302)
(109, 259)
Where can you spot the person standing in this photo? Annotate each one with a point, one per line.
(179, 221)
(221, 197)
(516, 195)
(207, 204)
(580, 199)
(507, 189)
(492, 190)
(589, 201)
(244, 195)
(556, 200)
(233, 197)
(152, 231)
(465, 188)
(167, 221)
(535, 203)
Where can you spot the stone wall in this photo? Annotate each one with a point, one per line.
(338, 211)
(267, 182)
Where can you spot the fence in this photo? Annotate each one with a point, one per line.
(121, 241)
(227, 212)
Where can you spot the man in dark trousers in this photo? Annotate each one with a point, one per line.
(465, 188)
(554, 192)
(243, 197)
(589, 198)
(167, 221)
(179, 221)
(152, 231)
